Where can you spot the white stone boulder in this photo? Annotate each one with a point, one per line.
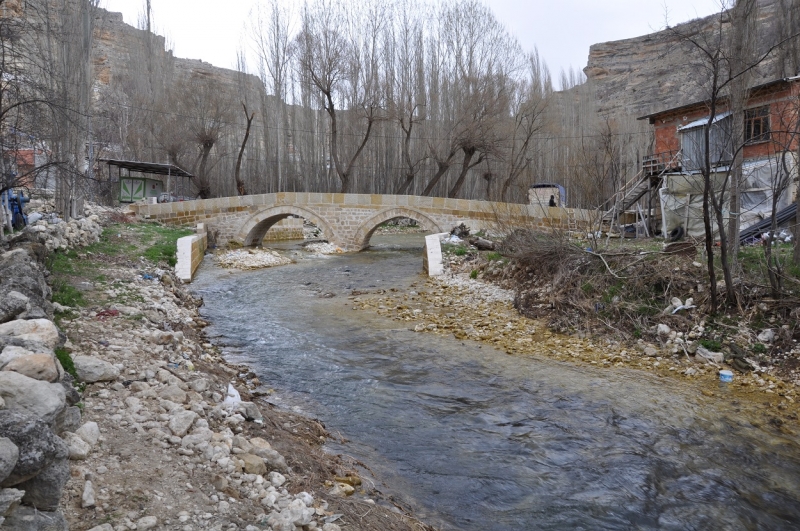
(41, 330)
(90, 433)
(181, 422)
(78, 448)
(9, 454)
(42, 367)
(12, 352)
(707, 356)
(91, 369)
(41, 399)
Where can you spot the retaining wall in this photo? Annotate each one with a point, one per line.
(191, 250)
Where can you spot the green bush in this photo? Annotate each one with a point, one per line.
(711, 344)
(460, 251)
(473, 273)
(492, 256)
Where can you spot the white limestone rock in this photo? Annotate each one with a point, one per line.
(91, 369)
(78, 448)
(9, 455)
(41, 399)
(88, 496)
(41, 330)
(181, 422)
(90, 433)
(42, 367)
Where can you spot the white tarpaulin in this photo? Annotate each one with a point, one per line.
(757, 191)
(682, 194)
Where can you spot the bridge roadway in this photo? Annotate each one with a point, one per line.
(348, 220)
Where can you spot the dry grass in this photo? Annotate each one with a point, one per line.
(575, 287)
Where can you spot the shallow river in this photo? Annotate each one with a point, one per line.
(475, 439)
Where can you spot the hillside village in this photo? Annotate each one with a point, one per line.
(665, 237)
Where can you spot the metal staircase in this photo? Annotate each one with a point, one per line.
(634, 189)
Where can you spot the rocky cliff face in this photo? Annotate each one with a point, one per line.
(124, 55)
(661, 70)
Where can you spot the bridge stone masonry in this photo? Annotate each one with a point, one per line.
(348, 220)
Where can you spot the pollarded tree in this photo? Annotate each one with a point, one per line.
(207, 112)
(478, 64)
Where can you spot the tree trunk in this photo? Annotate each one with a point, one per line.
(203, 186)
(240, 188)
(442, 167)
(465, 167)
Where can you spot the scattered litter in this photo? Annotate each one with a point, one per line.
(232, 396)
(102, 315)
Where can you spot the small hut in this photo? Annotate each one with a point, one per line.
(155, 182)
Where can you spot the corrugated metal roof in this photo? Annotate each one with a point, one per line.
(153, 168)
(703, 121)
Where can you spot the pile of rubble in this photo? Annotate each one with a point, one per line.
(55, 233)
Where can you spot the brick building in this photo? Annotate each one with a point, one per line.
(769, 153)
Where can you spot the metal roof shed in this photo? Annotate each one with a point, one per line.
(132, 188)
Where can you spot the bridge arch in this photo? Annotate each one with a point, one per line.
(256, 227)
(367, 228)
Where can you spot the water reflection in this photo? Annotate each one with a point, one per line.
(482, 440)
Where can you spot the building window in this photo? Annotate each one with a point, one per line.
(756, 124)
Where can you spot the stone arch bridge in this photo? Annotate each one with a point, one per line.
(348, 220)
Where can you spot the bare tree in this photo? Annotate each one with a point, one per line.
(723, 70)
(479, 61)
(240, 187)
(341, 64)
(528, 106)
(405, 85)
(271, 35)
(206, 111)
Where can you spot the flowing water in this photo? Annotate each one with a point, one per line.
(475, 439)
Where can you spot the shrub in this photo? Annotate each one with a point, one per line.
(711, 344)
(65, 358)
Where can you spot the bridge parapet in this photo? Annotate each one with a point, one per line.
(348, 220)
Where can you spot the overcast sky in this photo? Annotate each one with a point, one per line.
(562, 30)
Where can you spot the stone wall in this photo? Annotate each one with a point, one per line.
(285, 229)
(37, 400)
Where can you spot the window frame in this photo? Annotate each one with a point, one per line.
(761, 117)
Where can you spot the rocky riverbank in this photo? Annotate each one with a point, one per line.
(162, 433)
(471, 309)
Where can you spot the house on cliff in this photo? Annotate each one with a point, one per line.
(769, 151)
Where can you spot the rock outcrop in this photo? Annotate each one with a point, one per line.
(662, 70)
(34, 464)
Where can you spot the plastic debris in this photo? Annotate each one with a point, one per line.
(232, 396)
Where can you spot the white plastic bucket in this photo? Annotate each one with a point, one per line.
(725, 376)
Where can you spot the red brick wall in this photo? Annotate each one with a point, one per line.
(784, 106)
